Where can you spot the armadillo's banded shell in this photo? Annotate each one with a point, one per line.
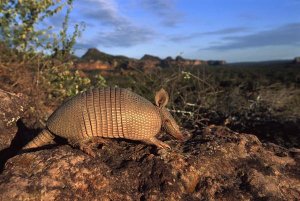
(106, 112)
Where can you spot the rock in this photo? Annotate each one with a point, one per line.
(94, 65)
(147, 63)
(12, 106)
(94, 59)
(214, 164)
(197, 62)
(180, 61)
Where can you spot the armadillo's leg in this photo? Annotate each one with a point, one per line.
(99, 140)
(86, 145)
(157, 143)
(87, 149)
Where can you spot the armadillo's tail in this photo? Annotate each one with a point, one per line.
(43, 138)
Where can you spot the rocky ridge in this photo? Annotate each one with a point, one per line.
(94, 59)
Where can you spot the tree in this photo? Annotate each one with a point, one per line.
(21, 26)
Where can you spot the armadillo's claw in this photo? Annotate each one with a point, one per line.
(158, 143)
(84, 146)
(99, 141)
(164, 145)
(87, 149)
(88, 144)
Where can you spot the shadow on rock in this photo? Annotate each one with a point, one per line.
(23, 136)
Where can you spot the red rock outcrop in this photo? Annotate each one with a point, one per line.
(93, 59)
(94, 65)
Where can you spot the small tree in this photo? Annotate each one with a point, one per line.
(25, 44)
(18, 21)
(63, 42)
(21, 28)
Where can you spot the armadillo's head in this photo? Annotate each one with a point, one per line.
(168, 122)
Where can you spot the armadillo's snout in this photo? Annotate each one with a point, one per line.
(173, 129)
(178, 136)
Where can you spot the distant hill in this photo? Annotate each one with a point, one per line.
(95, 59)
(150, 57)
(94, 54)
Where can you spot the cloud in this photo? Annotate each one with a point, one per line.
(165, 10)
(119, 30)
(125, 36)
(102, 11)
(284, 35)
(226, 31)
(216, 32)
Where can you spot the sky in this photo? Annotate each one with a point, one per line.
(231, 30)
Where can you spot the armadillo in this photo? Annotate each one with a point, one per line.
(109, 113)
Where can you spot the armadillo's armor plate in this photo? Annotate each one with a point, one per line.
(106, 112)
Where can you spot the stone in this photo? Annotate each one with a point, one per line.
(214, 164)
(12, 106)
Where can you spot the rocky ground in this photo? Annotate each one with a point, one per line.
(214, 164)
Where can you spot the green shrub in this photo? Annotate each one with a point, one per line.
(42, 55)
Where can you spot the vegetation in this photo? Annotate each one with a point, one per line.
(261, 98)
(37, 60)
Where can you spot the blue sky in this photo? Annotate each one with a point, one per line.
(233, 30)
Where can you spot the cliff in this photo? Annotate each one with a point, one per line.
(94, 59)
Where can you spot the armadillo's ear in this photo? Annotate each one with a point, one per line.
(161, 98)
